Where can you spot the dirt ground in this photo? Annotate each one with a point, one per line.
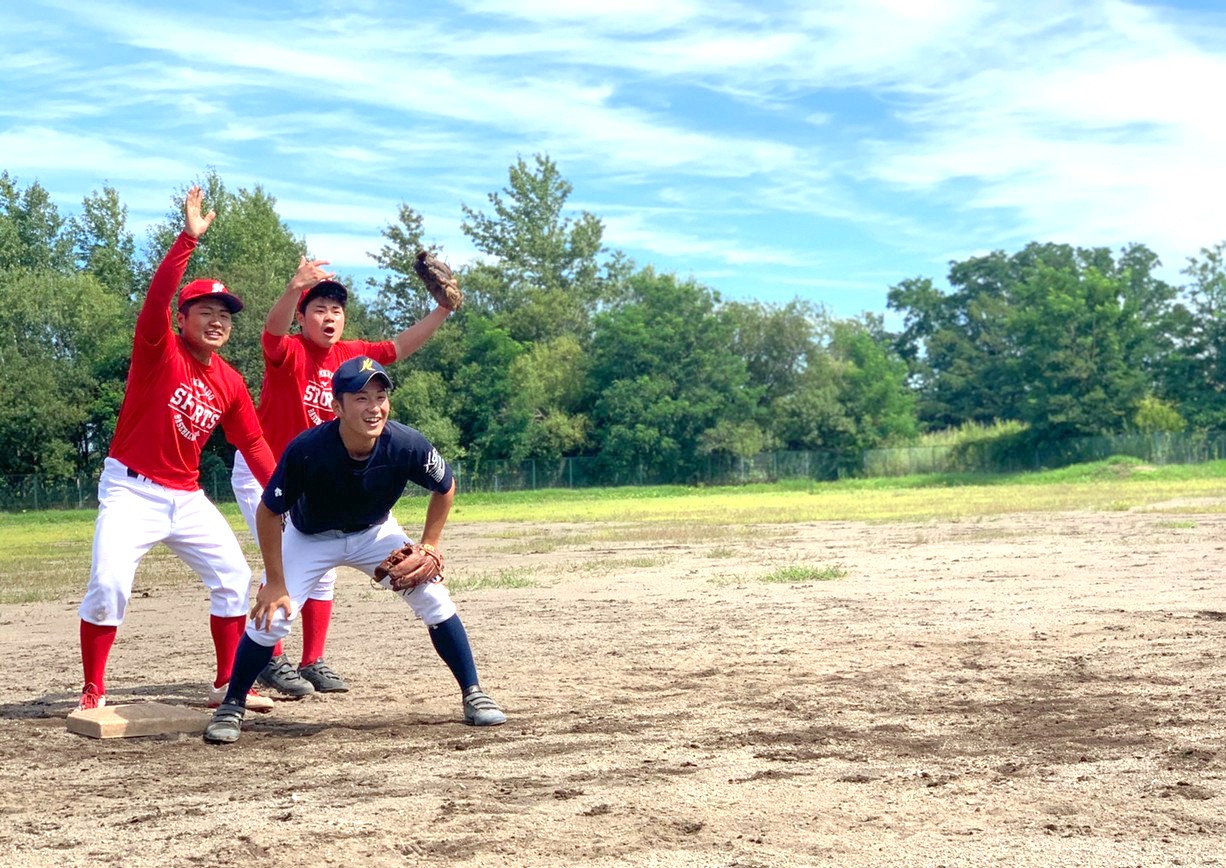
(1019, 690)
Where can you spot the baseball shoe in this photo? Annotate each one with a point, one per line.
(480, 709)
(282, 677)
(320, 674)
(255, 702)
(226, 725)
(91, 698)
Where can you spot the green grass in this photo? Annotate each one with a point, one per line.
(46, 555)
(535, 541)
(603, 564)
(515, 577)
(804, 573)
(1112, 485)
(791, 574)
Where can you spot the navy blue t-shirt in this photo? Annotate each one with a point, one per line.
(322, 488)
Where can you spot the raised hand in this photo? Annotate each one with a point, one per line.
(195, 223)
(309, 273)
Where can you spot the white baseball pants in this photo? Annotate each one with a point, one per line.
(307, 557)
(248, 491)
(134, 515)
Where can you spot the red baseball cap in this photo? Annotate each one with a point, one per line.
(205, 288)
(324, 289)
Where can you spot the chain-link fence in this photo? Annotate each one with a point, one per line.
(35, 492)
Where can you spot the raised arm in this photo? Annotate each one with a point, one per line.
(153, 322)
(415, 336)
(281, 315)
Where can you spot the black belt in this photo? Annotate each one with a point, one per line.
(132, 474)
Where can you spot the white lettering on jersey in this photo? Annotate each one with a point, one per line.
(435, 467)
(202, 388)
(317, 397)
(194, 415)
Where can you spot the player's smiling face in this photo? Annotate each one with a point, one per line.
(323, 321)
(205, 326)
(363, 414)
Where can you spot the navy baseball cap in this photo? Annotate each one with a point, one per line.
(323, 289)
(353, 375)
(206, 288)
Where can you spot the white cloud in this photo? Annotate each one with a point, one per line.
(659, 236)
(36, 149)
(922, 124)
(1100, 138)
(644, 16)
(346, 251)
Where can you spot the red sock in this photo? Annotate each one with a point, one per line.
(226, 634)
(316, 618)
(96, 642)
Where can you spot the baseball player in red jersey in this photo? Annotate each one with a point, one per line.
(296, 395)
(178, 391)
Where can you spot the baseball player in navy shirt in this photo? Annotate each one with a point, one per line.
(338, 483)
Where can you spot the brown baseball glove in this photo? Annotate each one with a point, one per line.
(411, 565)
(437, 277)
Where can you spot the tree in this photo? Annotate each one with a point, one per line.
(962, 362)
(1080, 353)
(1155, 416)
(872, 386)
(401, 298)
(59, 348)
(250, 249)
(777, 343)
(542, 278)
(545, 419)
(1066, 339)
(423, 399)
(483, 389)
(31, 229)
(663, 377)
(1193, 373)
(102, 244)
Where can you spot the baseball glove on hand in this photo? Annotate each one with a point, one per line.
(411, 565)
(437, 277)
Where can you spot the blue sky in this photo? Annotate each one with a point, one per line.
(771, 150)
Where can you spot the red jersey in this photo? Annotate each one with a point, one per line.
(172, 402)
(297, 389)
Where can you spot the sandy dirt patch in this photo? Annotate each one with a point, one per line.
(1018, 690)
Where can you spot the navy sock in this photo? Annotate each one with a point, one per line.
(249, 661)
(451, 642)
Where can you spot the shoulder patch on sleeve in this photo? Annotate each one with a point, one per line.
(435, 467)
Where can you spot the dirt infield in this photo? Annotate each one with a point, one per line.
(1021, 690)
